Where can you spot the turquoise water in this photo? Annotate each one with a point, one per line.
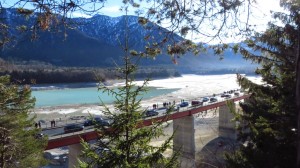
(75, 96)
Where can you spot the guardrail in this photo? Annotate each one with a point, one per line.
(80, 119)
(90, 134)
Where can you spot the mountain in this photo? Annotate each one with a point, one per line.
(98, 41)
(75, 50)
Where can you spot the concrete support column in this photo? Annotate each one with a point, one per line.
(227, 127)
(184, 140)
(74, 154)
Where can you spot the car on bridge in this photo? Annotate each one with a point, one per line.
(226, 96)
(73, 128)
(184, 104)
(236, 93)
(197, 103)
(150, 113)
(96, 120)
(39, 135)
(163, 110)
(213, 99)
(171, 108)
(205, 99)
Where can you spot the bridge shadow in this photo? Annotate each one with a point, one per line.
(212, 154)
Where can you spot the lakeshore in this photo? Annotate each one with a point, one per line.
(188, 87)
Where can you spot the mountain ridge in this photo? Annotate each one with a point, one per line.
(97, 41)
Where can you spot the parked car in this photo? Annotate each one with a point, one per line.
(184, 104)
(150, 113)
(197, 103)
(226, 96)
(100, 150)
(162, 110)
(73, 128)
(39, 135)
(213, 99)
(171, 108)
(96, 120)
(205, 99)
(236, 93)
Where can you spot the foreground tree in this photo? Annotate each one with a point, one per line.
(268, 135)
(126, 143)
(294, 8)
(19, 146)
(181, 15)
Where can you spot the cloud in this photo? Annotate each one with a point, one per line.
(79, 14)
(111, 9)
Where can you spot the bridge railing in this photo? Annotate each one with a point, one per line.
(80, 119)
(90, 134)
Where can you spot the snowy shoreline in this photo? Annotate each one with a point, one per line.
(190, 87)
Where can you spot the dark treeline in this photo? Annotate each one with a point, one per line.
(154, 73)
(225, 71)
(78, 74)
(42, 77)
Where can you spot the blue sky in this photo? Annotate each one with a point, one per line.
(261, 13)
(260, 17)
(111, 7)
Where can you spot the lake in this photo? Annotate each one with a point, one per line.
(60, 96)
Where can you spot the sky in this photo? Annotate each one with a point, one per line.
(112, 7)
(260, 17)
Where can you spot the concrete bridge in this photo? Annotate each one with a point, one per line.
(183, 123)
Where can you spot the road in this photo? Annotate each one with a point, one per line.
(58, 131)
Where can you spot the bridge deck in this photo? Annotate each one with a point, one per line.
(87, 135)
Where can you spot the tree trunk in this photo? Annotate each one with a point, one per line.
(298, 96)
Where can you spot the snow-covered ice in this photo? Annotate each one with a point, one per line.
(190, 87)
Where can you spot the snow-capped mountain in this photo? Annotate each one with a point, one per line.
(98, 41)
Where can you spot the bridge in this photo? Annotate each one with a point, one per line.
(183, 122)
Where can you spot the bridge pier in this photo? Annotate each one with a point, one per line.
(184, 140)
(227, 127)
(74, 154)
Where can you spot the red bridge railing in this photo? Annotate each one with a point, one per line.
(60, 141)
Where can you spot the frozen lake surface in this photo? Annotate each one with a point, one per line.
(86, 100)
(80, 96)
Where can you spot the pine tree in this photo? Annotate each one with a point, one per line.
(19, 146)
(268, 135)
(126, 143)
